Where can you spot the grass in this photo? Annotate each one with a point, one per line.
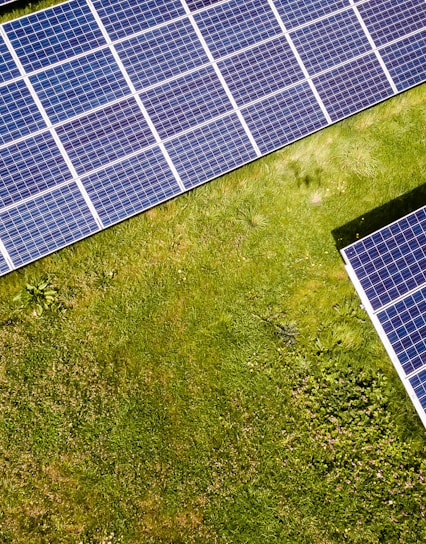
(204, 373)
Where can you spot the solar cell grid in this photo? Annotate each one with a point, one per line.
(131, 186)
(298, 12)
(261, 70)
(236, 24)
(404, 323)
(54, 35)
(418, 383)
(161, 54)
(29, 167)
(126, 17)
(330, 41)
(188, 101)
(8, 68)
(392, 262)
(388, 20)
(79, 85)
(19, 114)
(210, 150)
(4, 267)
(406, 60)
(284, 117)
(50, 221)
(352, 87)
(106, 135)
(199, 4)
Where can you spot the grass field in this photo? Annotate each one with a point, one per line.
(203, 373)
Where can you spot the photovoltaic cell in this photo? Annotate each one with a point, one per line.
(211, 150)
(105, 135)
(261, 70)
(330, 41)
(79, 85)
(406, 60)
(161, 54)
(391, 262)
(236, 24)
(123, 18)
(29, 167)
(8, 68)
(50, 221)
(19, 114)
(284, 117)
(199, 4)
(190, 100)
(353, 86)
(298, 12)
(418, 383)
(47, 37)
(131, 186)
(404, 323)
(388, 20)
(4, 267)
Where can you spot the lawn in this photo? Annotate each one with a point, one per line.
(203, 373)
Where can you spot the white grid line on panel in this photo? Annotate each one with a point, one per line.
(221, 79)
(299, 60)
(39, 194)
(135, 95)
(52, 130)
(397, 365)
(373, 46)
(6, 256)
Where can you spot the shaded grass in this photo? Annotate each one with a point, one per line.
(162, 401)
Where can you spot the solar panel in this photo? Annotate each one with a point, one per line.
(117, 106)
(388, 269)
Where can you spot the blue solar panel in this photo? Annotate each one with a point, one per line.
(406, 60)
(353, 86)
(123, 18)
(330, 41)
(131, 186)
(4, 267)
(29, 167)
(48, 222)
(77, 66)
(418, 383)
(388, 20)
(210, 150)
(80, 85)
(284, 117)
(47, 37)
(161, 54)
(391, 262)
(19, 114)
(185, 102)
(298, 12)
(262, 70)
(404, 323)
(8, 68)
(105, 135)
(230, 26)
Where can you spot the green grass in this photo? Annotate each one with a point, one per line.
(204, 372)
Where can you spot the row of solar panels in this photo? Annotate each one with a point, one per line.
(388, 269)
(110, 107)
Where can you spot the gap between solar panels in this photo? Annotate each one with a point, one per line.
(109, 108)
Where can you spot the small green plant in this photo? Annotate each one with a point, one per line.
(38, 297)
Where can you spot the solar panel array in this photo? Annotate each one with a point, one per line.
(109, 107)
(388, 269)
